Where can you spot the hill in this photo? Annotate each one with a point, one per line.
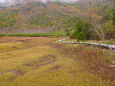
(37, 16)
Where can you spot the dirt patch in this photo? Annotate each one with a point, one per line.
(13, 78)
(21, 40)
(55, 68)
(14, 47)
(42, 61)
(17, 72)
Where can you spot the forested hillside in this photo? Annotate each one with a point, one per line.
(96, 18)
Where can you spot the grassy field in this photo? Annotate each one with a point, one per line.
(42, 61)
(56, 33)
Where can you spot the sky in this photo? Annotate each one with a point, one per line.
(5, 1)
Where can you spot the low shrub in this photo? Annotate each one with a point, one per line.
(1, 34)
(73, 34)
(81, 36)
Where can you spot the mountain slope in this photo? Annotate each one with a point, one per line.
(53, 14)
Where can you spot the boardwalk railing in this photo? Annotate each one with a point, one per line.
(106, 46)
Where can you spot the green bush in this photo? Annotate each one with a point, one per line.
(73, 34)
(81, 30)
(1, 35)
(67, 32)
(109, 30)
(81, 36)
(113, 18)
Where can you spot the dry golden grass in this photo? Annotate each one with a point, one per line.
(34, 62)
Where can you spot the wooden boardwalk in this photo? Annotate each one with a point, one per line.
(106, 46)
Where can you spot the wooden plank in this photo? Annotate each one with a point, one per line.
(106, 46)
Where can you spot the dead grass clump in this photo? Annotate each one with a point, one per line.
(55, 68)
(42, 61)
(10, 75)
(17, 72)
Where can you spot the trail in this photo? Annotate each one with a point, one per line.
(106, 46)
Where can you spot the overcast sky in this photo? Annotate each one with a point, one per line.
(5, 1)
